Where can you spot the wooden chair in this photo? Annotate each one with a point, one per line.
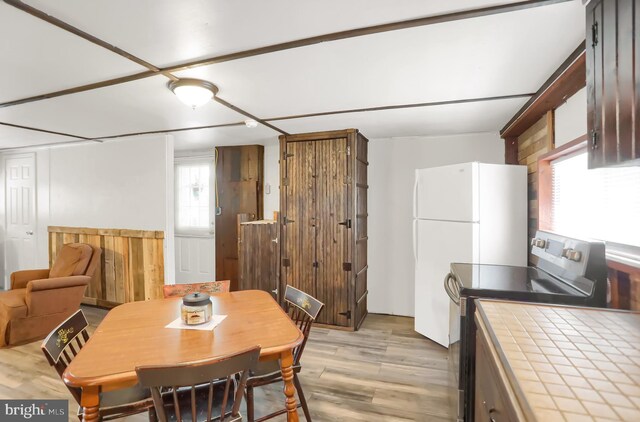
(303, 310)
(209, 287)
(64, 343)
(200, 391)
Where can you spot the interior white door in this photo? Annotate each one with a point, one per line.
(438, 244)
(195, 220)
(20, 205)
(195, 258)
(447, 193)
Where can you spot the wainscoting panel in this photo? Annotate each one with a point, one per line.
(132, 262)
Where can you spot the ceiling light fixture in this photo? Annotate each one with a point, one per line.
(193, 92)
(250, 123)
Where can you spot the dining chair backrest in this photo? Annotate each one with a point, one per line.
(303, 310)
(64, 343)
(165, 381)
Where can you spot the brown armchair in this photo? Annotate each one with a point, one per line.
(39, 300)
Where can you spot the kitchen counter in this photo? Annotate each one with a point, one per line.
(551, 363)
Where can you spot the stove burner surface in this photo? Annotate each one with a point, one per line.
(508, 278)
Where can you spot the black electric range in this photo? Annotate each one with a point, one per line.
(569, 271)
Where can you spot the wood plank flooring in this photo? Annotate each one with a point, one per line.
(384, 372)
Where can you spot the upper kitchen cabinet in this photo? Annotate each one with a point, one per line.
(613, 82)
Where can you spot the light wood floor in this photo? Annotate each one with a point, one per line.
(384, 372)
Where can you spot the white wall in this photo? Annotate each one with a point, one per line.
(391, 177)
(120, 184)
(571, 118)
(272, 179)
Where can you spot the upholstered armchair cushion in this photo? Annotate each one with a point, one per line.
(54, 295)
(19, 279)
(73, 259)
(12, 304)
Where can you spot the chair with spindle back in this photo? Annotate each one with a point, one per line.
(303, 310)
(64, 343)
(200, 391)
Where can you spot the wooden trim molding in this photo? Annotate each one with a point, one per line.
(80, 138)
(143, 234)
(314, 136)
(401, 106)
(568, 79)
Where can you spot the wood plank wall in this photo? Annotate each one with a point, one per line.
(625, 286)
(132, 263)
(534, 142)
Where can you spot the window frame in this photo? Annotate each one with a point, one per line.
(625, 255)
(192, 231)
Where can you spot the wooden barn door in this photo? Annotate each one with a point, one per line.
(331, 230)
(315, 225)
(239, 173)
(298, 217)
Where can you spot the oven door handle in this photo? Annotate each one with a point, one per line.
(453, 293)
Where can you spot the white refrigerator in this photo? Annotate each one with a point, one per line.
(472, 213)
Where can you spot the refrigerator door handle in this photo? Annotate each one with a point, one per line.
(415, 195)
(415, 241)
(451, 291)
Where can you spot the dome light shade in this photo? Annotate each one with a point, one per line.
(250, 123)
(193, 92)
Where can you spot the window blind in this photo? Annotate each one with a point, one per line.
(600, 204)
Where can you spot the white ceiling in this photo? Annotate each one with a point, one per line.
(38, 58)
(504, 54)
(166, 32)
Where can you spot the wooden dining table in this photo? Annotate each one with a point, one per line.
(135, 334)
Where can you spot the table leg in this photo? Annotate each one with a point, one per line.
(286, 366)
(90, 401)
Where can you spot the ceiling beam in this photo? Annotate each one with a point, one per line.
(400, 106)
(166, 131)
(324, 113)
(249, 115)
(334, 36)
(51, 132)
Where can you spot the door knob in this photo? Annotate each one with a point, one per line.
(30, 232)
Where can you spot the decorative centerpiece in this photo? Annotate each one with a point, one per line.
(196, 308)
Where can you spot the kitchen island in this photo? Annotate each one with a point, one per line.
(538, 362)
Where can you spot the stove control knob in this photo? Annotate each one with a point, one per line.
(571, 254)
(574, 255)
(539, 243)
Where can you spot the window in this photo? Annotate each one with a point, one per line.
(193, 199)
(600, 204)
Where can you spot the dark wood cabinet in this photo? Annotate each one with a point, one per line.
(323, 204)
(613, 82)
(494, 400)
(259, 256)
